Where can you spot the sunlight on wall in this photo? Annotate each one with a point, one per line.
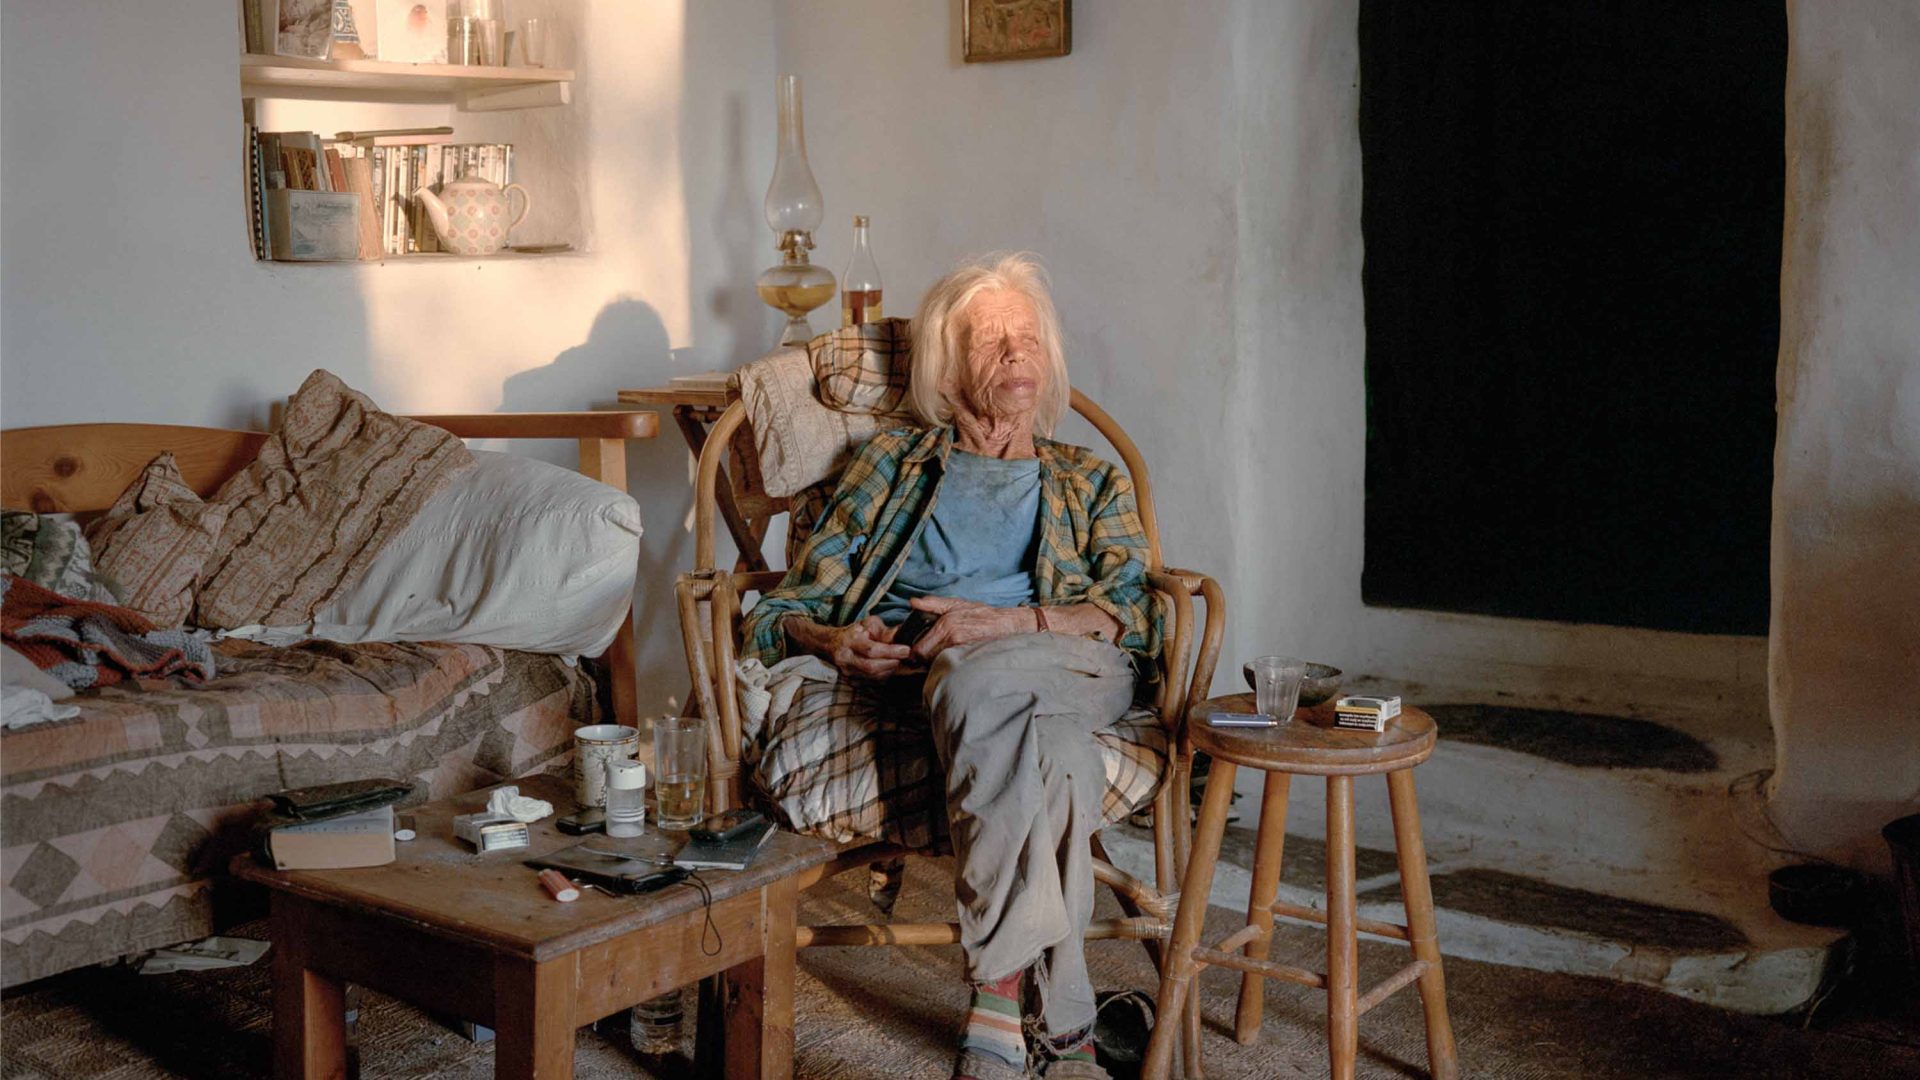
(451, 339)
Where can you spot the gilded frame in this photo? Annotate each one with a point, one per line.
(989, 28)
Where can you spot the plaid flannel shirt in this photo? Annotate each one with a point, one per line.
(1093, 547)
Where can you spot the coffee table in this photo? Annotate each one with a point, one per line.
(475, 937)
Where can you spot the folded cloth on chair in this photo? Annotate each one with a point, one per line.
(769, 691)
(798, 440)
(86, 644)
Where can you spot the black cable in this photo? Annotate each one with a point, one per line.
(706, 897)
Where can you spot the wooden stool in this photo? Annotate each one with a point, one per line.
(1304, 746)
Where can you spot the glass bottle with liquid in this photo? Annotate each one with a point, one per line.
(860, 285)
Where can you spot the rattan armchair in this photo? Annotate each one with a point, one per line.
(710, 597)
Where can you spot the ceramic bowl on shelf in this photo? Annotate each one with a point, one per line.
(1321, 683)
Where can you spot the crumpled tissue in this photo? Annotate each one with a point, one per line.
(508, 802)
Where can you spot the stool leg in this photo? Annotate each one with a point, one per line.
(1266, 885)
(1176, 982)
(1418, 894)
(1343, 954)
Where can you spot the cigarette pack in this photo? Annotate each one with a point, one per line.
(1358, 713)
(490, 832)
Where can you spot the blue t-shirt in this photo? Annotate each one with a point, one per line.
(979, 542)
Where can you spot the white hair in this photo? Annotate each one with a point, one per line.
(940, 325)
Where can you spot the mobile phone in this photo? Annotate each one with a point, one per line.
(722, 827)
(591, 819)
(1222, 718)
(915, 626)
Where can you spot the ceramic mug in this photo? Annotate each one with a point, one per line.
(593, 747)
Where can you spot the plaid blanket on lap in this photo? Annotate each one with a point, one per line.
(86, 644)
(853, 760)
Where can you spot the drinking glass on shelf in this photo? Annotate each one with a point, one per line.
(492, 44)
(679, 771)
(533, 42)
(1276, 685)
(463, 40)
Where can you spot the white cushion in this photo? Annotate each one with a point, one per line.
(513, 552)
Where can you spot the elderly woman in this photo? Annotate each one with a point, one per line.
(1029, 558)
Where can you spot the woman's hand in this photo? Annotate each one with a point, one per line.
(861, 650)
(963, 622)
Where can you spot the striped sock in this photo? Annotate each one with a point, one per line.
(1073, 1046)
(993, 1023)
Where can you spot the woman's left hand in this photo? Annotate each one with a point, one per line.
(964, 622)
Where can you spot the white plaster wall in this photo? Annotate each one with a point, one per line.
(127, 290)
(1191, 176)
(1846, 538)
(1191, 172)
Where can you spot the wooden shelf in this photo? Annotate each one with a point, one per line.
(291, 73)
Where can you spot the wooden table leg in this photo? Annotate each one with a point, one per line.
(1343, 953)
(757, 1007)
(1268, 848)
(1182, 969)
(1421, 934)
(533, 1018)
(309, 1008)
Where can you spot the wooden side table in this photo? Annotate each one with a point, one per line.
(744, 504)
(1310, 745)
(475, 937)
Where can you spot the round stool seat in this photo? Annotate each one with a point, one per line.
(1311, 744)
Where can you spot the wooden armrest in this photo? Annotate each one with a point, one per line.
(609, 424)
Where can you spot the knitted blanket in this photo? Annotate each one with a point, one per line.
(86, 644)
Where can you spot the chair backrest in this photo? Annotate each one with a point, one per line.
(706, 501)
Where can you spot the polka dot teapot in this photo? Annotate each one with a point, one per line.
(470, 214)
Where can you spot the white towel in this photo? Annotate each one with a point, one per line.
(21, 706)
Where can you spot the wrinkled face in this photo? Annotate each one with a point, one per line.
(1004, 370)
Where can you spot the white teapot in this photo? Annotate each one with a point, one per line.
(470, 214)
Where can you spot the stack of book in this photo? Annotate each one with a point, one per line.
(372, 184)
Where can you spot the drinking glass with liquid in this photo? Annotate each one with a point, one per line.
(860, 285)
(679, 770)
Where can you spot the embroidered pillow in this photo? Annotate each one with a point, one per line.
(863, 369)
(337, 481)
(155, 541)
(50, 551)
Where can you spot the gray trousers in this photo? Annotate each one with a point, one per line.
(1013, 722)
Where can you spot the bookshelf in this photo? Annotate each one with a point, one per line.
(290, 74)
(490, 107)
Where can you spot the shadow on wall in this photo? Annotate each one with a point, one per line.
(627, 346)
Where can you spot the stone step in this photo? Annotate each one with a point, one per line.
(1736, 956)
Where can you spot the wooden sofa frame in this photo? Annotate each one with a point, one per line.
(82, 468)
(709, 600)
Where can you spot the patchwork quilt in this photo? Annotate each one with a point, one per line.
(114, 825)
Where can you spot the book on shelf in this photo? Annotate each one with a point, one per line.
(390, 220)
(336, 171)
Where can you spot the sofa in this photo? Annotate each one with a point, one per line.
(116, 825)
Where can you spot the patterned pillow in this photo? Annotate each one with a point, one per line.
(863, 369)
(328, 489)
(50, 551)
(155, 541)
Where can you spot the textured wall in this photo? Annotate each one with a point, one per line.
(1846, 536)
